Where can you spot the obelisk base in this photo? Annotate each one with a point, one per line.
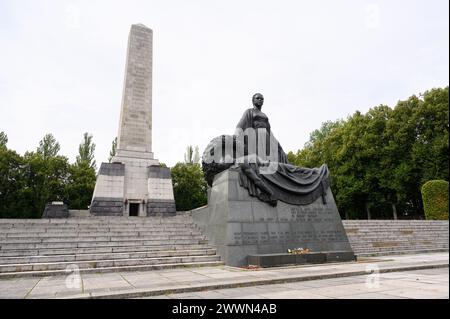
(133, 187)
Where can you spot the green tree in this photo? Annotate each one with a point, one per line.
(48, 147)
(81, 182)
(379, 160)
(86, 152)
(3, 140)
(189, 186)
(80, 186)
(46, 180)
(431, 147)
(112, 153)
(435, 199)
(13, 189)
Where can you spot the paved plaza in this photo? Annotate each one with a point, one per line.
(402, 276)
(417, 284)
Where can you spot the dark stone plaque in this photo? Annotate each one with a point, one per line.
(56, 210)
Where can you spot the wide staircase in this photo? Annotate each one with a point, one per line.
(387, 237)
(43, 247)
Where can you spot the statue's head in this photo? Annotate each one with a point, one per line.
(258, 100)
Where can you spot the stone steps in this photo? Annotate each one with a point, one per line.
(50, 246)
(128, 243)
(382, 228)
(74, 233)
(35, 266)
(397, 232)
(379, 247)
(402, 252)
(380, 242)
(81, 239)
(95, 226)
(109, 269)
(399, 248)
(377, 237)
(400, 238)
(105, 256)
(100, 225)
(100, 250)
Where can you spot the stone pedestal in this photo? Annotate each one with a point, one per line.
(56, 210)
(133, 189)
(241, 225)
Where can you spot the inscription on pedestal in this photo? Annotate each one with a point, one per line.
(312, 214)
(251, 238)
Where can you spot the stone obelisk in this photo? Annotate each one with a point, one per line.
(134, 184)
(135, 127)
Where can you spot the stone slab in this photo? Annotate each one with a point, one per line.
(107, 206)
(112, 169)
(156, 207)
(159, 172)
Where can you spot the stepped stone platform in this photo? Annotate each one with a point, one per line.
(162, 283)
(42, 247)
(390, 237)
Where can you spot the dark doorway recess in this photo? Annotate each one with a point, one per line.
(134, 209)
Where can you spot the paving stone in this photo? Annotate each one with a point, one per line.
(296, 294)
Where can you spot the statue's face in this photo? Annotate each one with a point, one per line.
(258, 100)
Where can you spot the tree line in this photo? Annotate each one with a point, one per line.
(380, 160)
(30, 181)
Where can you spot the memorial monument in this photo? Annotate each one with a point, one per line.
(134, 184)
(260, 206)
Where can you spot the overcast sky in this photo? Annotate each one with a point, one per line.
(62, 66)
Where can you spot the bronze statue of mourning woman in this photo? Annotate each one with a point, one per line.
(264, 169)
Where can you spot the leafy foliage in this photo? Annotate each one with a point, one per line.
(80, 187)
(82, 178)
(13, 188)
(379, 160)
(28, 182)
(112, 153)
(86, 152)
(189, 186)
(3, 140)
(48, 147)
(435, 199)
(46, 179)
